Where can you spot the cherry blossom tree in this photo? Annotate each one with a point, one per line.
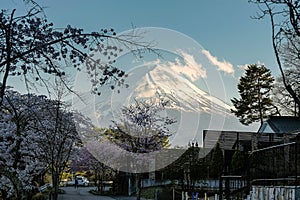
(54, 123)
(18, 161)
(142, 128)
(32, 48)
(37, 134)
(84, 160)
(57, 136)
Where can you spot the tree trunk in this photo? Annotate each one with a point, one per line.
(99, 187)
(8, 58)
(138, 186)
(55, 185)
(97, 181)
(101, 182)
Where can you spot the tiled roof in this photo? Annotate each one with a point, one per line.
(282, 124)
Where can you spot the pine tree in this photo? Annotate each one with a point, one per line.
(216, 165)
(254, 88)
(237, 162)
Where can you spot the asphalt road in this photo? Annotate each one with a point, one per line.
(83, 193)
(80, 193)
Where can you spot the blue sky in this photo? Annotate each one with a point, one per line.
(224, 28)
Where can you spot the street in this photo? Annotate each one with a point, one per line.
(83, 193)
(80, 193)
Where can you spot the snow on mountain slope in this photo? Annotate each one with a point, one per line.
(194, 109)
(184, 94)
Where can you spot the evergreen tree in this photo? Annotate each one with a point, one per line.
(237, 162)
(255, 103)
(216, 165)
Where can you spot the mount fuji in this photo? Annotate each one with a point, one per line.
(194, 109)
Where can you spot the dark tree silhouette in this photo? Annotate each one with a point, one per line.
(217, 162)
(285, 29)
(282, 98)
(255, 103)
(237, 162)
(32, 48)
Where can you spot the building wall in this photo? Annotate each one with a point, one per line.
(274, 192)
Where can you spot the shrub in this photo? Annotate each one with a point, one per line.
(39, 196)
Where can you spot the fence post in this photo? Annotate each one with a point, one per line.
(296, 161)
(173, 193)
(220, 187)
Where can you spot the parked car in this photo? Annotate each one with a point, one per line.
(82, 181)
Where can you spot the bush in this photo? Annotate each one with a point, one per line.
(148, 193)
(39, 196)
(237, 162)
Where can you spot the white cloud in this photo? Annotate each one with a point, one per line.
(221, 65)
(243, 67)
(186, 65)
(189, 68)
